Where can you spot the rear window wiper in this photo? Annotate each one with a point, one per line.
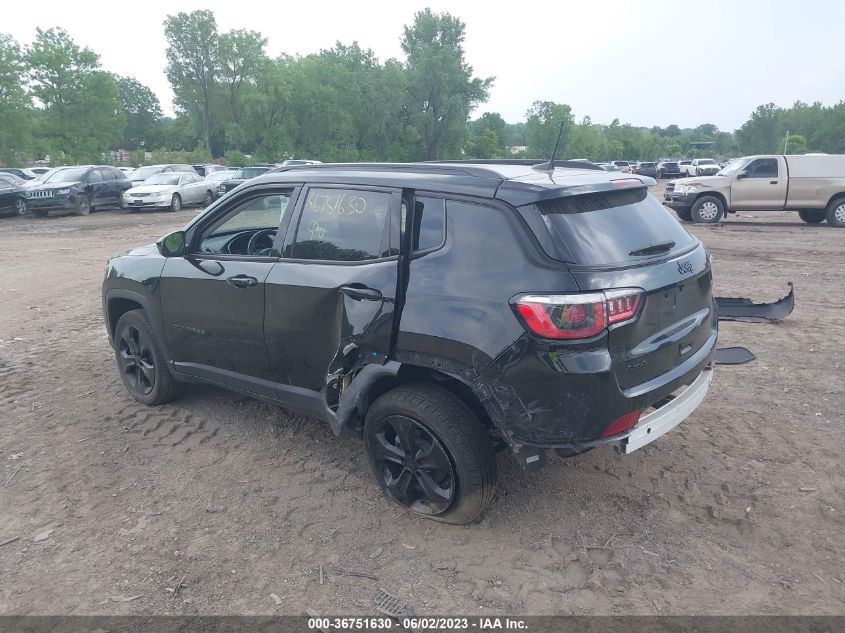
(654, 249)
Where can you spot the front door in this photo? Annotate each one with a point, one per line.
(761, 188)
(331, 299)
(213, 298)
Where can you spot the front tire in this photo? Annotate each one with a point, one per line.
(684, 215)
(20, 207)
(176, 202)
(142, 366)
(430, 454)
(707, 210)
(835, 213)
(83, 204)
(209, 198)
(811, 216)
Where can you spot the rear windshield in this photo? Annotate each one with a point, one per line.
(612, 227)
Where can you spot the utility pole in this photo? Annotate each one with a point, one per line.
(786, 142)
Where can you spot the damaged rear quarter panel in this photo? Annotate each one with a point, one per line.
(457, 317)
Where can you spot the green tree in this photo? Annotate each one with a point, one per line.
(143, 113)
(542, 124)
(763, 133)
(241, 59)
(192, 64)
(83, 115)
(796, 144)
(441, 89)
(15, 104)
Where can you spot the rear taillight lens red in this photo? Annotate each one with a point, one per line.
(622, 305)
(577, 316)
(623, 424)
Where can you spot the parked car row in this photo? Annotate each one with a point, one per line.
(85, 188)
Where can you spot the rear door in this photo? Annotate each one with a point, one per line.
(331, 299)
(626, 239)
(760, 185)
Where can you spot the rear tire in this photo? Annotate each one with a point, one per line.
(707, 210)
(812, 216)
(83, 204)
(836, 212)
(142, 365)
(446, 469)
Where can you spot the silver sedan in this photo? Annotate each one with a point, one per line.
(169, 191)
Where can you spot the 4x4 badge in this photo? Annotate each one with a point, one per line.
(685, 267)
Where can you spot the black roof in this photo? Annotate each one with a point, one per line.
(515, 181)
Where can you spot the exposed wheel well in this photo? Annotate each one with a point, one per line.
(411, 373)
(117, 307)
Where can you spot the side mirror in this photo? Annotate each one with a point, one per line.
(172, 245)
(741, 175)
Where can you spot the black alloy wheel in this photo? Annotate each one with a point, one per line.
(415, 468)
(136, 361)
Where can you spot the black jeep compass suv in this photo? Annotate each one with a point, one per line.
(440, 310)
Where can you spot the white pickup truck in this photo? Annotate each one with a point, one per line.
(812, 185)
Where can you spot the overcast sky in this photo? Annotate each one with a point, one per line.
(647, 62)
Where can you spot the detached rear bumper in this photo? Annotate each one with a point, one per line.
(662, 420)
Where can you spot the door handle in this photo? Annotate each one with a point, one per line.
(242, 281)
(361, 293)
(773, 182)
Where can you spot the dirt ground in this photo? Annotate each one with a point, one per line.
(740, 510)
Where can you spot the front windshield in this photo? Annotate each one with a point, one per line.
(142, 173)
(734, 167)
(162, 179)
(67, 175)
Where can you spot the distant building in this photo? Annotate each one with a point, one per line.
(701, 144)
(518, 149)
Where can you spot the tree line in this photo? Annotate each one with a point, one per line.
(234, 101)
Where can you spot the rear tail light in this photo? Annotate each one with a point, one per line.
(622, 305)
(577, 316)
(623, 424)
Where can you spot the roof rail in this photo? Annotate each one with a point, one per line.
(453, 168)
(528, 162)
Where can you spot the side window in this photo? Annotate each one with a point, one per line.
(117, 174)
(430, 223)
(105, 174)
(346, 225)
(763, 168)
(230, 234)
(94, 176)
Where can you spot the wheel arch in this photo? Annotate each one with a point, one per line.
(837, 196)
(119, 301)
(713, 194)
(368, 386)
